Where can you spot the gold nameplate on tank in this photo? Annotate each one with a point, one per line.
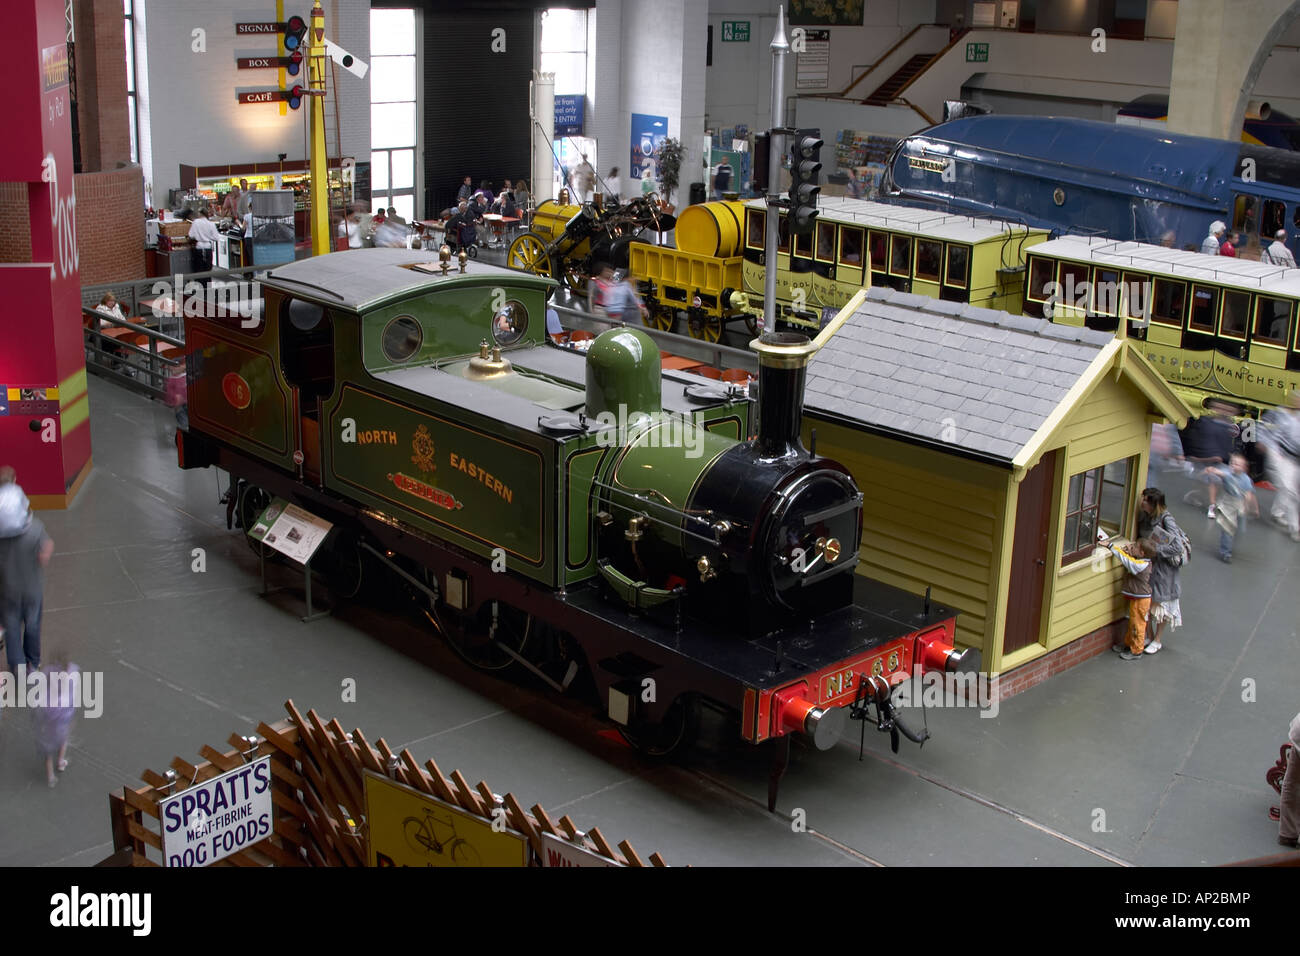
(488, 364)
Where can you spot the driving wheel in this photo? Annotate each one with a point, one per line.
(528, 254)
(704, 326)
(479, 637)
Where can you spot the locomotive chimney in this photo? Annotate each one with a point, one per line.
(782, 370)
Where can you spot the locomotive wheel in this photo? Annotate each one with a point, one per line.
(703, 326)
(343, 566)
(528, 254)
(575, 279)
(676, 731)
(253, 500)
(473, 637)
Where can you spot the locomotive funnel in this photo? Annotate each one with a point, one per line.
(782, 367)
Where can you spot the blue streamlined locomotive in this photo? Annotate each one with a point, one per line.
(1082, 176)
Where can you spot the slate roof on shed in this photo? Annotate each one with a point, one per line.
(977, 380)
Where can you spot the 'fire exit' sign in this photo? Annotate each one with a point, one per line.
(735, 31)
(977, 52)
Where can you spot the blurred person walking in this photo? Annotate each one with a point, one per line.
(52, 723)
(1208, 442)
(1280, 439)
(1238, 497)
(25, 550)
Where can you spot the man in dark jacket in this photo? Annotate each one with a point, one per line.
(1209, 441)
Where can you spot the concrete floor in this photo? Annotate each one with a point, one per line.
(1157, 762)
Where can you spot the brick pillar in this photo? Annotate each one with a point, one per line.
(103, 124)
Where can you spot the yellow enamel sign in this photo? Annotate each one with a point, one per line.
(409, 828)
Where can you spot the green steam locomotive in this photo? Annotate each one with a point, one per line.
(563, 512)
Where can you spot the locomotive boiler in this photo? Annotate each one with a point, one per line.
(564, 513)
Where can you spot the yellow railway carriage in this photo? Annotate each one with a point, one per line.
(857, 244)
(1215, 327)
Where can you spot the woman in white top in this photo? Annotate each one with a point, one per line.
(613, 187)
(351, 228)
(109, 306)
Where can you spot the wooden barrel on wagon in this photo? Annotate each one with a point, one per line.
(712, 229)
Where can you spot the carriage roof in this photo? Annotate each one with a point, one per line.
(1176, 263)
(929, 223)
(363, 278)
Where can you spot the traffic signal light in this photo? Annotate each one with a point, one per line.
(762, 147)
(805, 170)
(294, 96)
(295, 29)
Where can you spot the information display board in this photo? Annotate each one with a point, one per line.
(293, 532)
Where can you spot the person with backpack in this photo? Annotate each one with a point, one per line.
(1172, 551)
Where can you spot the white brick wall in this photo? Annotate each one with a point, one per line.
(648, 57)
(188, 102)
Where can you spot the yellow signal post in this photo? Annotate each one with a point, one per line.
(320, 206)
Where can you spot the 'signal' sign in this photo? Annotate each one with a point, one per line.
(263, 96)
(245, 29)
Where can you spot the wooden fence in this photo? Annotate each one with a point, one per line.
(318, 802)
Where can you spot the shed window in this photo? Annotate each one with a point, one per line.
(1095, 501)
(1272, 319)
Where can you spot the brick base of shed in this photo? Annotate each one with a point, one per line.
(1060, 660)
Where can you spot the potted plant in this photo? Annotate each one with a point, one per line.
(670, 166)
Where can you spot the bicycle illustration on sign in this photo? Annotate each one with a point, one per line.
(435, 835)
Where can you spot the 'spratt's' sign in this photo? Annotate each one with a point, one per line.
(218, 817)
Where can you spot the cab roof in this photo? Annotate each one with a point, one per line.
(361, 279)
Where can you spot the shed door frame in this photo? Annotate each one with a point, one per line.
(1032, 538)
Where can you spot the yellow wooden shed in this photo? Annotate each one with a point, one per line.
(991, 448)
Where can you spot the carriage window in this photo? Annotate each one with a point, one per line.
(879, 250)
(1274, 217)
(851, 246)
(803, 245)
(1204, 301)
(929, 259)
(782, 234)
(958, 266)
(900, 256)
(755, 223)
(1040, 277)
(826, 242)
(1236, 314)
(1105, 291)
(1137, 296)
(1168, 302)
(401, 339)
(1074, 285)
(1272, 320)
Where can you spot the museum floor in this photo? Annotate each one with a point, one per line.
(1157, 762)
